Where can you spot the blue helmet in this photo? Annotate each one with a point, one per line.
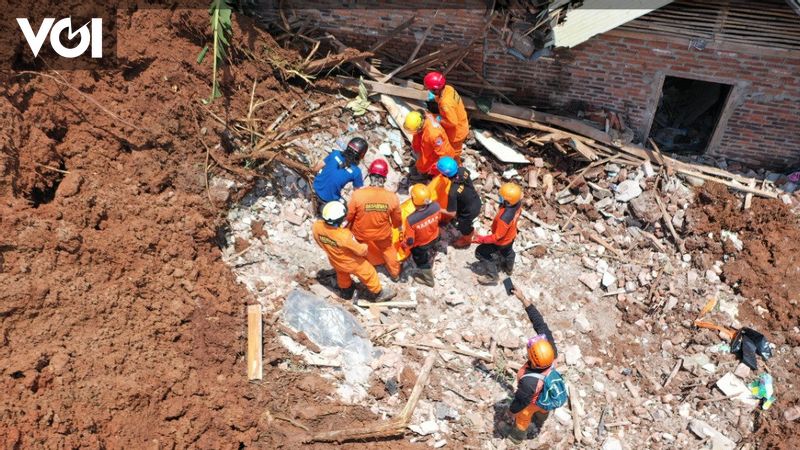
(447, 166)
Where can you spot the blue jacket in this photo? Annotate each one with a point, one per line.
(333, 177)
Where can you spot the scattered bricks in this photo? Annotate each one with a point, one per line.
(591, 280)
(742, 371)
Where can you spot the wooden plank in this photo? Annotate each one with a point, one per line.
(748, 198)
(397, 304)
(501, 151)
(255, 359)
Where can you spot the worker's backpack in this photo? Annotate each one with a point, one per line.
(552, 392)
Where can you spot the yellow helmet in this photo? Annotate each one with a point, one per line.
(510, 193)
(420, 195)
(413, 121)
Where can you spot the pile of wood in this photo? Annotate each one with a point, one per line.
(574, 137)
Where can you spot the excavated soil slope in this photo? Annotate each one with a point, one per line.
(121, 327)
(766, 270)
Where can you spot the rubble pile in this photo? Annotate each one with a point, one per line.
(608, 258)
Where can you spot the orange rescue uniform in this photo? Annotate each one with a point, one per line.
(372, 213)
(422, 226)
(504, 225)
(523, 418)
(430, 144)
(346, 255)
(454, 118)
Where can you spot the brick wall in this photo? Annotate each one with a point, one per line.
(618, 70)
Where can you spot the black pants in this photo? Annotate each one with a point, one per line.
(486, 252)
(463, 223)
(423, 255)
(321, 204)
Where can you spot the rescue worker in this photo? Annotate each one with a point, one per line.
(463, 204)
(372, 213)
(338, 169)
(421, 232)
(499, 245)
(450, 108)
(542, 353)
(346, 255)
(430, 142)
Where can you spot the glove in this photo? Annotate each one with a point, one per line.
(482, 239)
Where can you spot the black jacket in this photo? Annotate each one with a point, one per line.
(527, 386)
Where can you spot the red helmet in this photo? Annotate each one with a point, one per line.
(379, 167)
(434, 81)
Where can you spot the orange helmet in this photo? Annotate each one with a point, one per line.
(540, 353)
(420, 195)
(510, 193)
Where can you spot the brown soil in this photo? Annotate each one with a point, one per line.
(767, 270)
(121, 326)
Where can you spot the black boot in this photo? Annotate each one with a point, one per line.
(507, 265)
(347, 294)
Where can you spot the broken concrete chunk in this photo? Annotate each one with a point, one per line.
(609, 280)
(742, 371)
(628, 190)
(792, 414)
(582, 323)
(563, 416)
(704, 431)
(734, 387)
(444, 412)
(591, 280)
(645, 208)
(425, 428)
(698, 361)
(604, 203)
(572, 355)
(612, 443)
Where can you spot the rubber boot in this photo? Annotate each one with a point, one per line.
(347, 294)
(491, 278)
(507, 265)
(425, 276)
(464, 241)
(384, 295)
(516, 435)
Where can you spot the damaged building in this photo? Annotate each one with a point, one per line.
(714, 77)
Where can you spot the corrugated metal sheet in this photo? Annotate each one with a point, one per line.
(598, 16)
(760, 24)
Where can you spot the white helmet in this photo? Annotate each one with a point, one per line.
(334, 212)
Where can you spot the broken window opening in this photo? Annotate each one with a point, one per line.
(688, 114)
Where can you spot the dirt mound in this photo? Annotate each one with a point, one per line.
(121, 327)
(767, 269)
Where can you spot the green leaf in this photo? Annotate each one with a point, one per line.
(221, 27)
(202, 55)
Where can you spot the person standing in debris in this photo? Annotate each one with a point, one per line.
(499, 246)
(372, 213)
(430, 142)
(451, 110)
(421, 233)
(338, 169)
(462, 204)
(540, 387)
(346, 255)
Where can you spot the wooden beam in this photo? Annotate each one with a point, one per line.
(396, 304)
(255, 359)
